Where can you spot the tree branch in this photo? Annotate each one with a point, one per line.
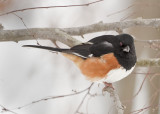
(31, 34)
(115, 26)
(63, 34)
(148, 62)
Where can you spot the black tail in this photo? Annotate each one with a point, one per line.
(47, 48)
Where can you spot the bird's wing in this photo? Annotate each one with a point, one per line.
(92, 49)
(82, 50)
(101, 48)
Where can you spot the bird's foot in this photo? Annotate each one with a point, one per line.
(107, 87)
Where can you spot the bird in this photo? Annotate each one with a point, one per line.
(105, 58)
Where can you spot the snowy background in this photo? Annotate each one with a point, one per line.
(29, 74)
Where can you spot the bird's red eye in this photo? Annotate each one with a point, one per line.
(121, 43)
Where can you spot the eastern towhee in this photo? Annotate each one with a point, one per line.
(106, 58)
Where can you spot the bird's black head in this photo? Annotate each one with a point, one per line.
(124, 50)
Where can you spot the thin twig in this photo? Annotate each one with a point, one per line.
(21, 20)
(54, 97)
(141, 84)
(4, 109)
(81, 103)
(47, 7)
(128, 16)
(142, 109)
(26, 27)
(125, 9)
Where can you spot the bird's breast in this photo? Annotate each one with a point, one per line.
(116, 75)
(97, 68)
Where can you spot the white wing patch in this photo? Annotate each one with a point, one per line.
(77, 54)
(107, 44)
(116, 75)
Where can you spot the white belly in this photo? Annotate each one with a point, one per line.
(116, 75)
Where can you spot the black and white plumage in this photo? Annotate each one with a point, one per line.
(121, 46)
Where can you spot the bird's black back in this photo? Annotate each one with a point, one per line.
(96, 47)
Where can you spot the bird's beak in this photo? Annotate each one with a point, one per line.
(126, 49)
